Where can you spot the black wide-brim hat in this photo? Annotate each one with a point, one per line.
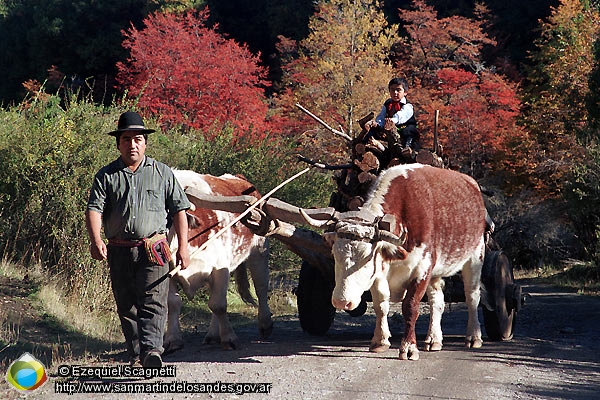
(130, 121)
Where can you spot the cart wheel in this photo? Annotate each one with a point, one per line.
(503, 296)
(313, 296)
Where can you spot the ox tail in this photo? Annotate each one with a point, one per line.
(243, 284)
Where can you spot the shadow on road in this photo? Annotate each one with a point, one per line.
(555, 352)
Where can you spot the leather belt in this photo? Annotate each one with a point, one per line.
(125, 242)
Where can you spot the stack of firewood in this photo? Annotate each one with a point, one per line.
(429, 158)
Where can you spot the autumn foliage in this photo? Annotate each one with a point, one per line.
(340, 70)
(478, 106)
(560, 100)
(435, 43)
(191, 76)
(479, 112)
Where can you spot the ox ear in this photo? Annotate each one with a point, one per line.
(192, 221)
(393, 253)
(329, 238)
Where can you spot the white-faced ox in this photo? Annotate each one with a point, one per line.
(440, 220)
(233, 251)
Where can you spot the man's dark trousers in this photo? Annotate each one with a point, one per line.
(142, 312)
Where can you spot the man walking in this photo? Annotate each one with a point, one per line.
(135, 199)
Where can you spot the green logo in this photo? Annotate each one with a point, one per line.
(27, 373)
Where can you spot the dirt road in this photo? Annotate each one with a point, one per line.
(555, 354)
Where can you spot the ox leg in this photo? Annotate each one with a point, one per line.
(435, 298)
(472, 280)
(258, 263)
(380, 291)
(410, 313)
(220, 330)
(173, 339)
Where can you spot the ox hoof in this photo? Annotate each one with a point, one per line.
(409, 352)
(473, 343)
(378, 347)
(211, 340)
(230, 345)
(435, 346)
(172, 346)
(265, 332)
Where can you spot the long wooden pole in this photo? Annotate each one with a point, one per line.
(319, 120)
(435, 131)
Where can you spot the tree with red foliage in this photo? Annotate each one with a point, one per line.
(479, 112)
(191, 76)
(478, 106)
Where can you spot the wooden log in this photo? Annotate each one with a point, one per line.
(394, 161)
(377, 145)
(408, 153)
(306, 244)
(389, 125)
(365, 119)
(365, 176)
(371, 160)
(319, 120)
(355, 203)
(360, 149)
(436, 119)
(368, 162)
(427, 157)
(278, 209)
(273, 207)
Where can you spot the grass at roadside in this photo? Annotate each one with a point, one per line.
(584, 278)
(195, 314)
(38, 318)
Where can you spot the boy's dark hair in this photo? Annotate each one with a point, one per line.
(399, 81)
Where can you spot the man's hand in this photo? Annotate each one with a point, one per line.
(389, 124)
(93, 224)
(370, 124)
(98, 250)
(183, 257)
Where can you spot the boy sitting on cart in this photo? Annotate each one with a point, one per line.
(395, 124)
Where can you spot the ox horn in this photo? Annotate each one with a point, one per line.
(317, 223)
(391, 238)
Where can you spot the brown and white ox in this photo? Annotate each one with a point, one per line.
(232, 252)
(440, 219)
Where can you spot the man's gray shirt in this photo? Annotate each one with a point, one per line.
(135, 205)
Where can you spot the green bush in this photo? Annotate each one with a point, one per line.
(583, 195)
(49, 152)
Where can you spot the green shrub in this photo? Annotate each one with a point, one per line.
(266, 164)
(49, 152)
(583, 195)
(48, 155)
